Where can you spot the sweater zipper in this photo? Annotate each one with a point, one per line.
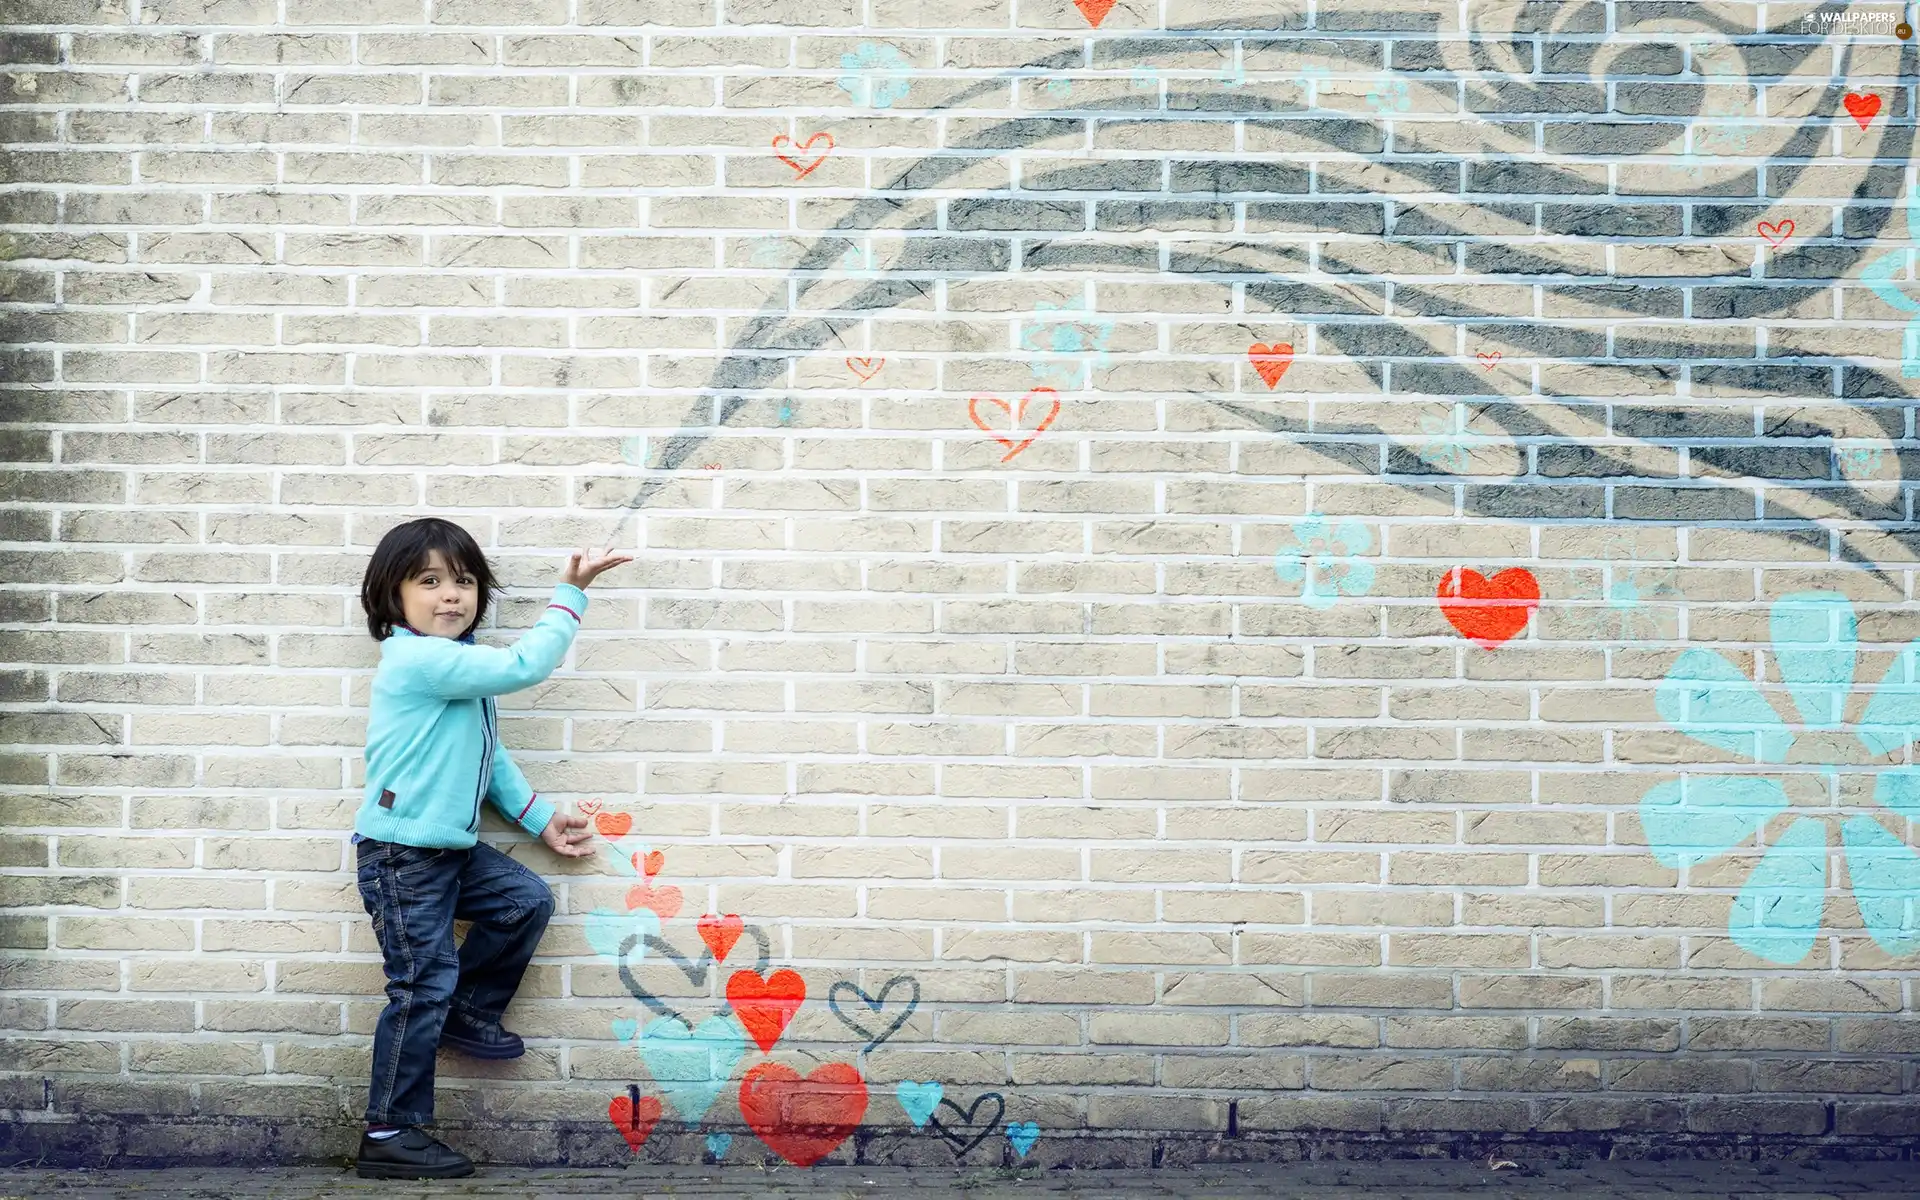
(487, 722)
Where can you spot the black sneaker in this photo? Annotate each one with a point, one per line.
(410, 1154)
(480, 1041)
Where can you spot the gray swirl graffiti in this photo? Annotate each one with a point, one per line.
(1345, 317)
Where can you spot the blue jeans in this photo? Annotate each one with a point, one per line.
(413, 894)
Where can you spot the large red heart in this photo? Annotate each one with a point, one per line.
(720, 933)
(802, 170)
(1489, 611)
(663, 900)
(764, 1006)
(973, 410)
(1863, 108)
(1271, 361)
(802, 1120)
(634, 1121)
(613, 825)
(1776, 234)
(1095, 11)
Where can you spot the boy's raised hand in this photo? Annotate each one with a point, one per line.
(584, 566)
(567, 835)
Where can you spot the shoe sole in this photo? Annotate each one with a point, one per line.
(481, 1049)
(403, 1171)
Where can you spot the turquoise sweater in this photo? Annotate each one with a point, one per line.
(433, 749)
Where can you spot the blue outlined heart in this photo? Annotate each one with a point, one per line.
(691, 1066)
(919, 1100)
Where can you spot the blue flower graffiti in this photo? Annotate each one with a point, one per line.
(1778, 912)
(864, 86)
(1323, 558)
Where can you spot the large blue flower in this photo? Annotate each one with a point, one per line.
(1777, 914)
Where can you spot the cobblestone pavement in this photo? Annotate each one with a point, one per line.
(1397, 1180)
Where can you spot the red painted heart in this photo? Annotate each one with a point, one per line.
(664, 901)
(588, 807)
(1489, 611)
(652, 863)
(634, 1121)
(1271, 361)
(973, 410)
(803, 1119)
(720, 933)
(1095, 11)
(613, 825)
(803, 169)
(1776, 234)
(764, 1006)
(865, 368)
(1862, 107)
(1489, 358)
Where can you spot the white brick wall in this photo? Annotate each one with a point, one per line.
(1048, 720)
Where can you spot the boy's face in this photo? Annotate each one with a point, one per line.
(438, 600)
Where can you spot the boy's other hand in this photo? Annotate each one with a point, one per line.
(584, 566)
(567, 835)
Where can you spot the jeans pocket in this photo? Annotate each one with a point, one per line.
(409, 861)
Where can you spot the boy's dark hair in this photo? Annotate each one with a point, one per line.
(402, 553)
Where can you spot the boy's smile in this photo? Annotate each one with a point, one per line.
(438, 600)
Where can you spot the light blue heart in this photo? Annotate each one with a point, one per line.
(606, 929)
(691, 1066)
(919, 1099)
(1023, 1134)
(625, 1028)
(718, 1144)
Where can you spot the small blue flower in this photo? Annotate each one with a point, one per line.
(1390, 95)
(1066, 328)
(1880, 275)
(1322, 559)
(1777, 914)
(881, 92)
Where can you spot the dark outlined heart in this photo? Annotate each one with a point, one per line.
(874, 1006)
(694, 970)
(960, 1141)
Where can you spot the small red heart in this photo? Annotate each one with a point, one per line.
(973, 410)
(764, 1006)
(1776, 234)
(613, 825)
(1863, 107)
(1489, 611)
(652, 863)
(1271, 361)
(588, 807)
(865, 368)
(662, 900)
(1095, 11)
(1489, 358)
(720, 933)
(634, 1121)
(802, 170)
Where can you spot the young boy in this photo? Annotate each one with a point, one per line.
(432, 755)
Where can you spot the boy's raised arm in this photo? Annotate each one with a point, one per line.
(455, 671)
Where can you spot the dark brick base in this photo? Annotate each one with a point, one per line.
(135, 1142)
